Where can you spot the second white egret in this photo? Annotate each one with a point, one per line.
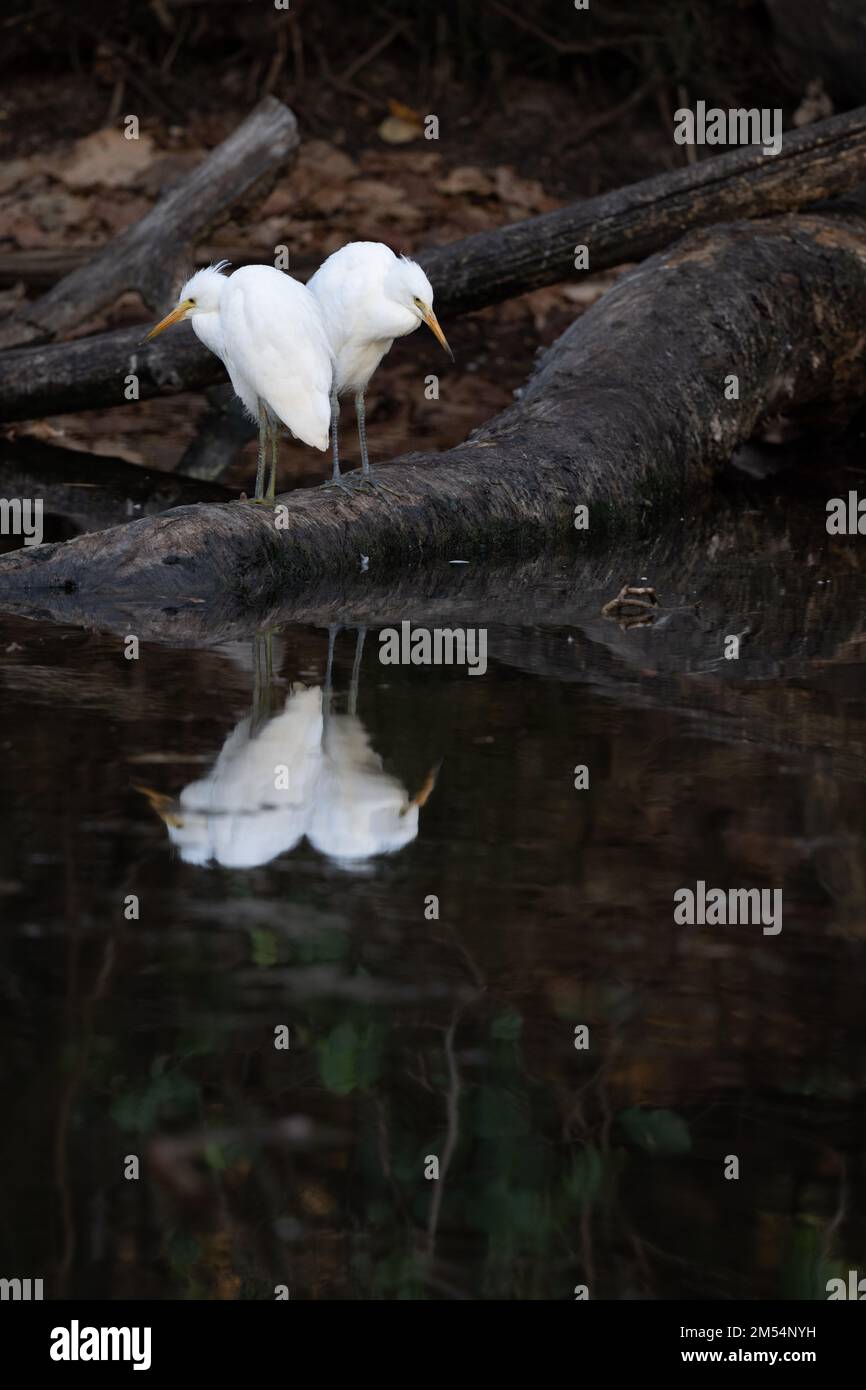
(368, 297)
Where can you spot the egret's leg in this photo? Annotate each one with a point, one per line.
(366, 471)
(256, 717)
(356, 670)
(275, 445)
(335, 436)
(263, 680)
(336, 479)
(263, 437)
(329, 677)
(360, 411)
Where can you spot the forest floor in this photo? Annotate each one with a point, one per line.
(508, 149)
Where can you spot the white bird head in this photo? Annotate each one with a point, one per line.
(407, 285)
(200, 295)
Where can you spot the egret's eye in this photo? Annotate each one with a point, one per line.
(192, 301)
(417, 301)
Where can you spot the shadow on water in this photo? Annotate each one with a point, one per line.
(239, 840)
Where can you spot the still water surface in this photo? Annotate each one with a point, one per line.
(431, 949)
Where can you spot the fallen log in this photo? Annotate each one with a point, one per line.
(146, 257)
(625, 413)
(544, 616)
(633, 222)
(41, 267)
(87, 492)
(220, 436)
(624, 225)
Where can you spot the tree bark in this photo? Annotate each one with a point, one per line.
(146, 256)
(221, 435)
(624, 225)
(633, 222)
(44, 266)
(625, 414)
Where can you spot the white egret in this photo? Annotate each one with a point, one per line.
(360, 810)
(269, 332)
(368, 298)
(245, 812)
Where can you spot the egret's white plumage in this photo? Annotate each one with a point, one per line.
(240, 815)
(338, 793)
(368, 297)
(246, 811)
(360, 810)
(270, 333)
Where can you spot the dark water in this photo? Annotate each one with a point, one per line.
(415, 1035)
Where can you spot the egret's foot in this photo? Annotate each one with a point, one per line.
(258, 501)
(340, 483)
(360, 482)
(376, 485)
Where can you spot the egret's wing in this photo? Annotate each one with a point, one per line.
(349, 287)
(275, 340)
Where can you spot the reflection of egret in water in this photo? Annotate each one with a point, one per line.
(246, 811)
(300, 771)
(360, 809)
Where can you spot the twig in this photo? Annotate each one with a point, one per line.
(452, 1133)
(277, 62)
(565, 45)
(613, 113)
(372, 52)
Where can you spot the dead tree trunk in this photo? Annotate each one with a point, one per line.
(624, 225)
(146, 256)
(629, 409)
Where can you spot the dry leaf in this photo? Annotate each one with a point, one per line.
(402, 125)
(525, 194)
(404, 112)
(373, 194)
(105, 158)
(395, 131)
(16, 171)
(319, 165)
(815, 106)
(56, 208)
(467, 179)
(17, 225)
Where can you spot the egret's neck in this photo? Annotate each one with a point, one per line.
(208, 330)
(391, 320)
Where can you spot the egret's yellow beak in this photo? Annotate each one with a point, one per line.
(433, 324)
(175, 316)
(166, 807)
(423, 796)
